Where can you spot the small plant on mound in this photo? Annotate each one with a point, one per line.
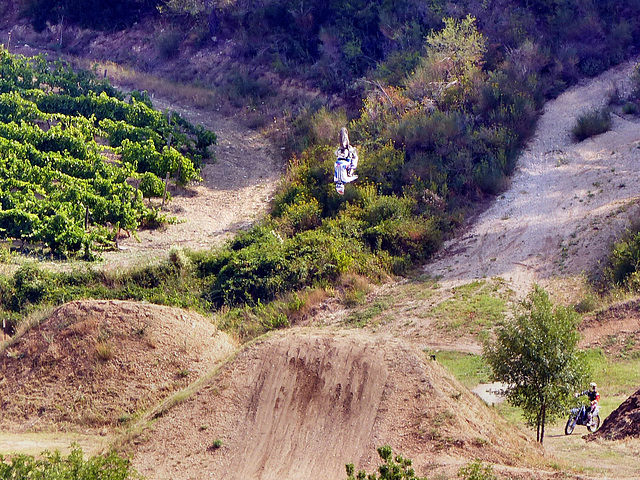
(590, 123)
(393, 468)
(477, 471)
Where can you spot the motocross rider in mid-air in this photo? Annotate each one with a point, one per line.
(346, 162)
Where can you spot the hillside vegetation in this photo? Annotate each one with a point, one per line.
(77, 159)
(440, 98)
(441, 122)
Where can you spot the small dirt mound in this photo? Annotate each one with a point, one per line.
(95, 364)
(616, 329)
(622, 423)
(303, 403)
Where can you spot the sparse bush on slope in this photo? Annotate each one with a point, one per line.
(624, 261)
(593, 122)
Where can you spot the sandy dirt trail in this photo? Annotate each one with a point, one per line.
(566, 202)
(234, 192)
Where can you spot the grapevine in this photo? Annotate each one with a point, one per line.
(58, 188)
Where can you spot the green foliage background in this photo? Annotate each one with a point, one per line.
(439, 98)
(54, 466)
(57, 187)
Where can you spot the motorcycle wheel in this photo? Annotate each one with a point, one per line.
(595, 424)
(571, 424)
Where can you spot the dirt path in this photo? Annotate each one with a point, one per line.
(565, 204)
(36, 443)
(234, 192)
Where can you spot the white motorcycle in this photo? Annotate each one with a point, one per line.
(579, 416)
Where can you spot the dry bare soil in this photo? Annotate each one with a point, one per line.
(302, 403)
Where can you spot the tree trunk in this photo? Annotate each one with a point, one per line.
(544, 418)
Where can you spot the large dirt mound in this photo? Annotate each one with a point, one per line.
(94, 364)
(623, 422)
(303, 403)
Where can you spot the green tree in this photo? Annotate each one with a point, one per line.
(536, 355)
(393, 468)
(452, 67)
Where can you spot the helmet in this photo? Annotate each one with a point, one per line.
(593, 385)
(340, 188)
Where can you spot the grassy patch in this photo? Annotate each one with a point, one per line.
(362, 318)
(473, 309)
(616, 378)
(468, 368)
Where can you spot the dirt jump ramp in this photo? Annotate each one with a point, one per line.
(92, 365)
(302, 404)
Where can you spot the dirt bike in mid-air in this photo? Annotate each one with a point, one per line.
(579, 416)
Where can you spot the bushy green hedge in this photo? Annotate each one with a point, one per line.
(73, 467)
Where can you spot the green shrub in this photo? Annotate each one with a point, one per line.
(379, 208)
(630, 108)
(394, 468)
(55, 466)
(169, 44)
(257, 272)
(592, 66)
(151, 185)
(590, 123)
(477, 471)
(304, 214)
(383, 166)
(31, 285)
(624, 262)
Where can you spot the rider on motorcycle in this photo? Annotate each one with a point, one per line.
(594, 398)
